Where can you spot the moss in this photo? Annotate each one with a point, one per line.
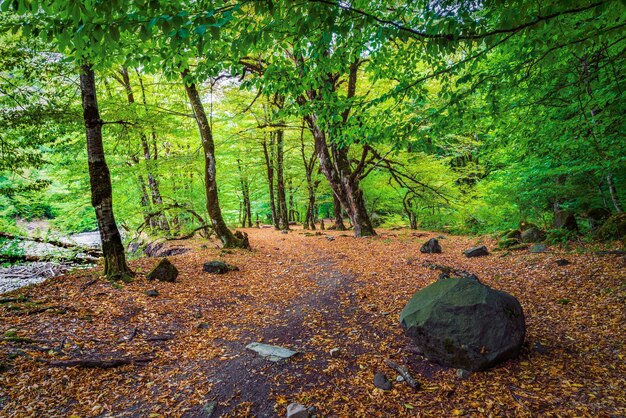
(508, 242)
(613, 228)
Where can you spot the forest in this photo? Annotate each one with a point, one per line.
(312, 208)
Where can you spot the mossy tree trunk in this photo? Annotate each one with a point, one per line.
(212, 201)
(115, 266)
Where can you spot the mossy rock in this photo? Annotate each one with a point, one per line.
(462, 323)
(512, 233)
(218, 267)
(508, 243)
(613, 228)
(564, 219)
(523, 226)
(533, 235)
(163, 272)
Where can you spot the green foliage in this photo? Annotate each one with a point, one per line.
(483, 116)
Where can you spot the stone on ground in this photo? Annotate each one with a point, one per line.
(613, 228)
(153, 293)
(538, 248)
(477, 251)
(564, 219)
(462, 323)
(296, 410)
(533, 235)
(271, 352)
(163, 272)
(218, 267)
(431, 246)
(381, 381)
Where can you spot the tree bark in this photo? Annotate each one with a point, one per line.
(613, 192)
(212, 201)
(338, 214)
(115, 266)
(345, 186)
(269, 163)
(160, 222)
(283, 215)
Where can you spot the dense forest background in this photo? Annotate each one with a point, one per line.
(456, 116)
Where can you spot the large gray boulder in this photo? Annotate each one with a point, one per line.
(462, 323)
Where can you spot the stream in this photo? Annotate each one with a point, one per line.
(23, 274)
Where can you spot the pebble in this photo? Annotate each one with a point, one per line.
(296, 410)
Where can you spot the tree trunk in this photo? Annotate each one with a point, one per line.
(269, 163)
(212, 201)
(283, 215)
(335, 164)
(344, 185)
(613, 192)
(338, 214)
(115, 266)
(161, 221)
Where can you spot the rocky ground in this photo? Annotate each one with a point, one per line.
(179, 349)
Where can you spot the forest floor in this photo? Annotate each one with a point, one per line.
(310, 293)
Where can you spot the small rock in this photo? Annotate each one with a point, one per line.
(163, 272)
(476, 251)
(153, 293)
(208, 409)
(218, 267)
(203, 325)
(463, 374)
(335, 352)
(399, 379)
(431, 246)
(271, 352)
(562, 262)
(538, 248)
(296, 410)
(381, 381)
(540, 348)
(330, 238)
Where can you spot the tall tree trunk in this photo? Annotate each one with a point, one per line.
(613, 192)
(338, 214)
(152, 181)
(344, 184)
(115, 266)
(245, 209)
(335, 164)
(159, 221)
(212, 201)
(283, 215)
(269, 164)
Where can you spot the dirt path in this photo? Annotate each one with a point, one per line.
(251, 379)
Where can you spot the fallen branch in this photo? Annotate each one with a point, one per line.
(14, 258)
(95, 363)
(204, 227)
(404, 372)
